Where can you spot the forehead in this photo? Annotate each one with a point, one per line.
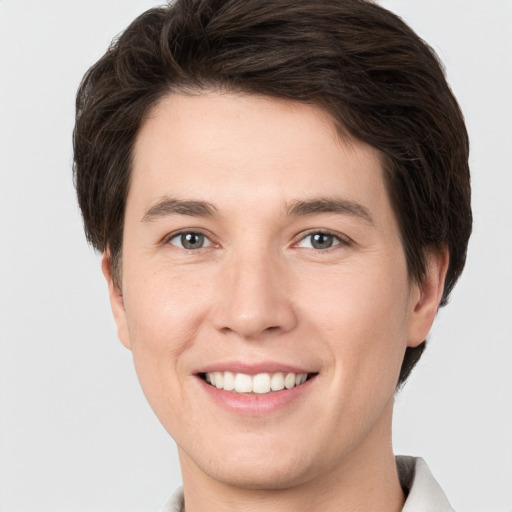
(222, 147)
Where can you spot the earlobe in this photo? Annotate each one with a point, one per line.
(426, 297)
(116, 301)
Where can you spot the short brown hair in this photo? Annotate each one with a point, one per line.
(359, 62)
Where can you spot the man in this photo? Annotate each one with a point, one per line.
(280, 191)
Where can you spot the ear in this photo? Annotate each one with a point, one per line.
(426, 296)
(116, 301)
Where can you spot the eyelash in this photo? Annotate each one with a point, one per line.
(337, 238)
(199, 233)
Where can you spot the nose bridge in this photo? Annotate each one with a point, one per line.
(254, 299)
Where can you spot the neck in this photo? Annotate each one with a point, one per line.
(366, 480)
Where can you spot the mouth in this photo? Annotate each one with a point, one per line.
(259, 384)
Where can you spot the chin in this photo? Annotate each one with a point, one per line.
(266, 476)
(259, 468)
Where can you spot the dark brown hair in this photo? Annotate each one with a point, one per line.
(359, 62)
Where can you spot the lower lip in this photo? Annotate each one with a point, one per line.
(253, 404)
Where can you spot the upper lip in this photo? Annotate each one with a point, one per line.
(253, 368)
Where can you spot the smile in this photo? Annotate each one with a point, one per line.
(260, 383)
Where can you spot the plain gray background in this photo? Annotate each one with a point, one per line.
(75, 431)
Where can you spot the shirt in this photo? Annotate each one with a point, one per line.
(422, 490)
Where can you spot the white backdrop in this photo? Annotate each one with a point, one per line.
(75, 431)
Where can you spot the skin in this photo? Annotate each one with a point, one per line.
(259, 290)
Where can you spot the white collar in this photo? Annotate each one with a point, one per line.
(423, 492)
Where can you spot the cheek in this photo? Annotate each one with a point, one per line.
(363, 315)
(164, 314)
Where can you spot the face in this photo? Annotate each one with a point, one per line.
(265, 294)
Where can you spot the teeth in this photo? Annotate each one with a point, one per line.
(300, 378)
(218, 380)
(229, 381)
(277, 382)
(261, 383)
(289, 381)
(243, 383)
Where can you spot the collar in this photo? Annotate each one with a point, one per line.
(421, 488)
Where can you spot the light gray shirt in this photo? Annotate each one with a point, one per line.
(422, 491)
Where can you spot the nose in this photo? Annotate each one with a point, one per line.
(254, 299)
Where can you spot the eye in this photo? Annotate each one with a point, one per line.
(319, 241)
(190, 240)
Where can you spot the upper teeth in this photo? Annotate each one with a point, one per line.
(260, 383)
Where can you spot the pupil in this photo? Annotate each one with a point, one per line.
(192, 240)
(322, 241)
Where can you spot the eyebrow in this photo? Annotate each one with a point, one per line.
(173, 206)
(330, 205)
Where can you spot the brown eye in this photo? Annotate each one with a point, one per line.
(190, 240)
